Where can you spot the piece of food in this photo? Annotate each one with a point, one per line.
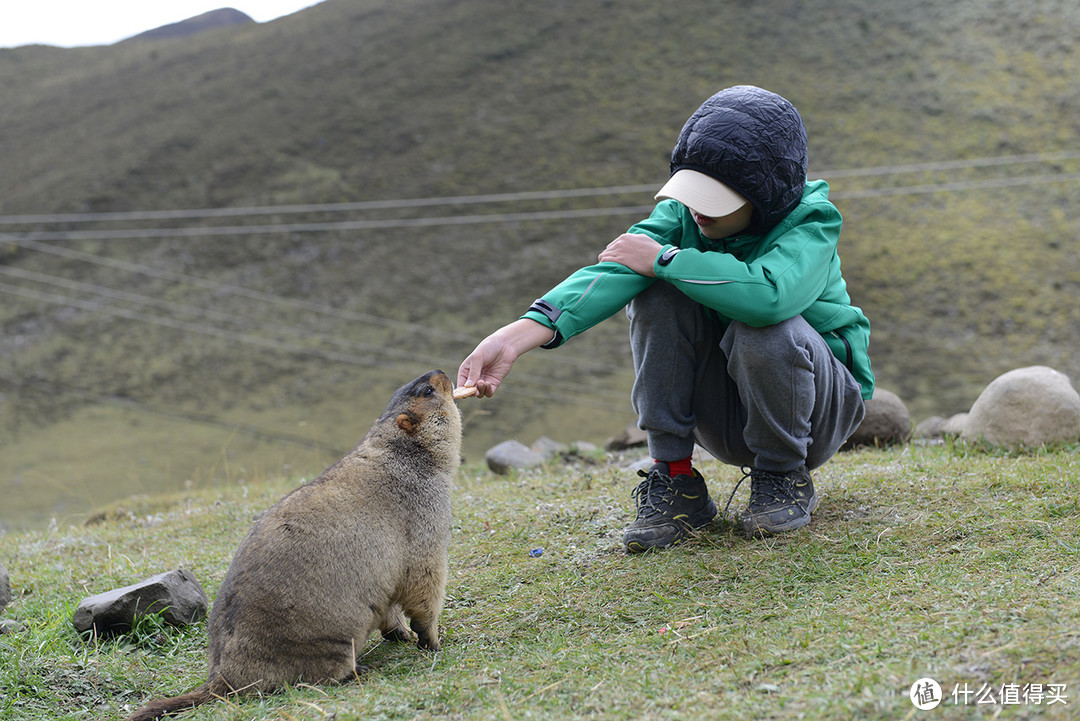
(465, 392)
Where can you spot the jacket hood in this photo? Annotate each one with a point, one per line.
(753, 141)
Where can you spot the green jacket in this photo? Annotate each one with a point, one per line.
(759, 280)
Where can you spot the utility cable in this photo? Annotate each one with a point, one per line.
(334, 226)
(581, 394)
(190, 214)
(957, 186)
(492, 218)
(219, 289)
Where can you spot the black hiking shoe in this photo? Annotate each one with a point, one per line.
(668, 509)
(779, 502)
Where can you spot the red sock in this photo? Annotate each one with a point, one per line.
(681, 468)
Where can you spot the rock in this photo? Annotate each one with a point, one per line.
(512, 455)
(176, 595)
(930, 427)
(1026, 407)
(548, 448)
(644, 463)
(9, 626)
(631, 437)
(5, 588)
(954, 426)
(887, 422)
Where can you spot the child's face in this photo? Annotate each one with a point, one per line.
(724, 226)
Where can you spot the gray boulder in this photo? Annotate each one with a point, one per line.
(512, 455)
(1026, 407)
(176, 595)
(887, 422)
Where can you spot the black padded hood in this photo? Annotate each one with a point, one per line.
(753, 141)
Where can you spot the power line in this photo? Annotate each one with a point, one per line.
(220, 289)
(335, 226)
(948, 165)
(329, 207)
(225, 289)
(420, 364)
(206, 313)
(524, 217)
(404, 203)
(957, 186)
(186, 326)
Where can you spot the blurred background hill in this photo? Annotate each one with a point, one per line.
(220, 253)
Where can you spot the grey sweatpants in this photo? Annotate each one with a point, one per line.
(772, 398)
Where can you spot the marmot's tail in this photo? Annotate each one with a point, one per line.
(176, 704)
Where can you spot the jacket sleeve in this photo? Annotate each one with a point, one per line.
(596, 292)
(777, 284)
(590, 295)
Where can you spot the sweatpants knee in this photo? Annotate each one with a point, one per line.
(773, 345)
(659, 299)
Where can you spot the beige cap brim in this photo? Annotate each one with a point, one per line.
(701, 194)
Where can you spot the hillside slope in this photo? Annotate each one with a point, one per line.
(287, 329)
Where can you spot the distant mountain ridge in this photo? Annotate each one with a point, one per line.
(223, 17)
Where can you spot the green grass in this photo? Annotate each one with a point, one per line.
(922, 561)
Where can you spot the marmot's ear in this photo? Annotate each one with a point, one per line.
(408, 422)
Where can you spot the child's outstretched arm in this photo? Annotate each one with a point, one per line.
(487, 366)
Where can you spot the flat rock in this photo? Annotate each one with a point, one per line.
(631, 437)
(177, 595)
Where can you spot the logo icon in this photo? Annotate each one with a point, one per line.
(925, 694)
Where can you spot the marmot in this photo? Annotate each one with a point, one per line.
(340, 557)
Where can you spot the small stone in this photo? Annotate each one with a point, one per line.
(930, 427)
(954, 426)
(631, 437)
(7, 625)
(548, 448)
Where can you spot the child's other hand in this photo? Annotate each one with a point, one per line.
(636, 251)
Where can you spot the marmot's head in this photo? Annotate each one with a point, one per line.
(425, 414)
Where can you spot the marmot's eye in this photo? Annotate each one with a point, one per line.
(429, 391)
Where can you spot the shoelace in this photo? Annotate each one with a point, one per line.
(780, 491)
(645, 490)
(746, 474)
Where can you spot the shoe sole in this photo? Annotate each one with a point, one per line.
(753, 529)
(702, 520)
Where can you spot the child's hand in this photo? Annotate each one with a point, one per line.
(634, 250)
(488, 364)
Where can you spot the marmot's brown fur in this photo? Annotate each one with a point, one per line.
(340, 557)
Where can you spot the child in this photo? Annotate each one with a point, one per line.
(743, 335)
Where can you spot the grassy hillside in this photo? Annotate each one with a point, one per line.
(899, 577)
(251, 350)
